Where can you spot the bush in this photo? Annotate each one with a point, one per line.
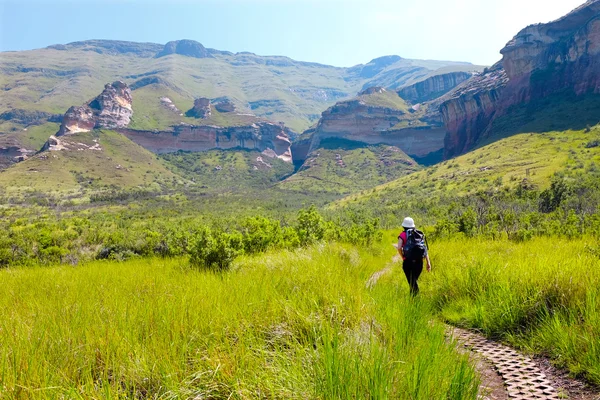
(215, 251)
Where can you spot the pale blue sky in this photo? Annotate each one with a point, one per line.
(336, 32)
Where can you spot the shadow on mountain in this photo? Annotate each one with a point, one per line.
(341, 144)
(558, 112)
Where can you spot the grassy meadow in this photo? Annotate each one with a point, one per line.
(291, 324)
(297, 323)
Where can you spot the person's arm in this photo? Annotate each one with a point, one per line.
(400, 245)
(428, 263)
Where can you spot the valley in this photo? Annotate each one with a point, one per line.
(184, 222)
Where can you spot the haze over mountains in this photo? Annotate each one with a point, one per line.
(184, 97)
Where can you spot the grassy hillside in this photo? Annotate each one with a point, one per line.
(340, 167)
(387, 99)
(228, 171)
(93, 161)
(503, 164)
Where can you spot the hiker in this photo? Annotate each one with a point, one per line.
(412, 246)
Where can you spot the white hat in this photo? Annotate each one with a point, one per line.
(408, 222)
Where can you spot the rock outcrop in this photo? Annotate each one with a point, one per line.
(110, 110)
(363, 120)
(201, 109)
(188, 48)
(225, 106)
(433, 87)
(542, 60)
(259, 136)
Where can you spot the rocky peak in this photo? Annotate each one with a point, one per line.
(375, 66)
(189, 48)
(372, 90)
(111, 109)
(201, 109)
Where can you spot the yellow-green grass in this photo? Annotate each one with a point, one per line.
(505, 163)
(120, 163)
(387, 99)
(542, 295)
(149, 113)
(293, 324)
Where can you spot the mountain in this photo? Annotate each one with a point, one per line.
(38, 86)
(548, 79)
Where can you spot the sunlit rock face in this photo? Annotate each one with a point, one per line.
(434, 87)
(110, 110)
(541, 60)
(260, 136)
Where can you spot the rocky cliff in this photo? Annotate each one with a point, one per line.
(260, 136)
(433, 87)
(376, 116)
(111, 109)
(468, 111)
(562, 56)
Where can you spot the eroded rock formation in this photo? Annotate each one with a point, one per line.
(110, 110)
(201, 109)
(260, 136)
(434, 87)
(541, 60)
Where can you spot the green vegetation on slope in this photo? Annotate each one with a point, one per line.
(503, 164)
(558, 112)
(309, 330)
(93, 161)
(150, 113)
(387, 99)
(342, 167)
(227, 170)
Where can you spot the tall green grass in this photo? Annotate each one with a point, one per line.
(296, 324)
(542, 295)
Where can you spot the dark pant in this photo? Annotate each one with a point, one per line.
(412, 270)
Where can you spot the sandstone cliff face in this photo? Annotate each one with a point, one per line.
(260, 136)
(110, 110)
(434, 87)
(563, 54)
(357, 120)
(468, 111)
(543, 59)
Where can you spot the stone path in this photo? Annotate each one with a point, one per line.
(522, 378)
